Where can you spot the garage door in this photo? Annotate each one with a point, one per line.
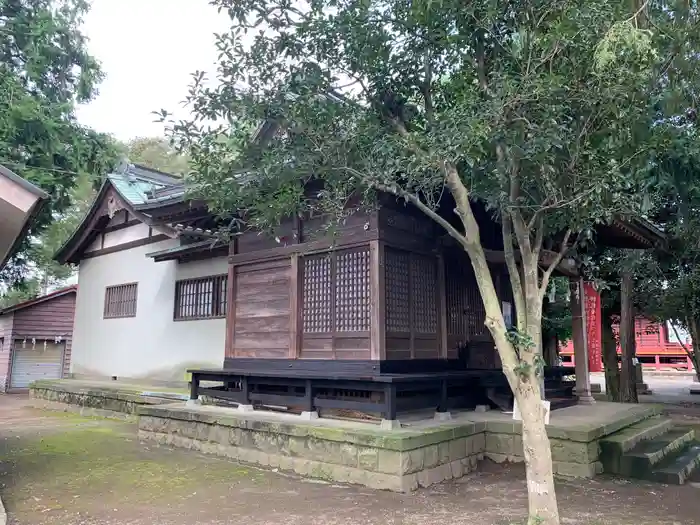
(34, 362)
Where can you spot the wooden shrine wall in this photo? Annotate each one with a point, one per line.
(308, 299)
(335, 306)
(262, 309)
(465, 311)
(412, 313)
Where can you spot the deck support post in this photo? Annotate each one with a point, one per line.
(194, 388)
(578, 314)
(390, 402)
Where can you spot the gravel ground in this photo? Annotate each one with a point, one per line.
(57, 468)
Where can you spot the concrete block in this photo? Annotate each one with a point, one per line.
(482, 408)
(431, 459)
(444, 452)
(577, 470)
(458, 449)
(443, 416)
(412, 461)
(500, 444)
(368, 458)
(308, 416)
(245, 408)
(503, 458)
(389, 462)
(193, 403)
(390, 424)
(457, 469)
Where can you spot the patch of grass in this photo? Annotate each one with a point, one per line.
(97, 462)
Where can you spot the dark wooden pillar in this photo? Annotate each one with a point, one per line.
(377, 301)
(442, 306)
(229, 350)
(578, 318)
(628, 375)
(295, 306)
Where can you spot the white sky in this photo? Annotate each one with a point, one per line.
(147, 48)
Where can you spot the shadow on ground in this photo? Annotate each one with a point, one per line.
(63, 469)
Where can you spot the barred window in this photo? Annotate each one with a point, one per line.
(120, 301)
(201, 298)
(336, 292)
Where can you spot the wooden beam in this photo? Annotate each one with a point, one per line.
(377, 301)
(442, 305)
(307, 248)
(229, 345)
(567, 266)
(295, 306)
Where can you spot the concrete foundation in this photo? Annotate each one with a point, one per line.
(417, 452)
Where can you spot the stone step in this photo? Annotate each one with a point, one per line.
(613, 446)
(638, 462)
(626, 439)
(677, 468)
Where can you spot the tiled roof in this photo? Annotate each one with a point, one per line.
(137, 183)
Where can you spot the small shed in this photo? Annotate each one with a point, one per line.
(35, 339)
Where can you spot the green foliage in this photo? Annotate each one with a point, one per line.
(20, 293)
(158, 154)
(381, 94)
(45, 70)
(556, 317)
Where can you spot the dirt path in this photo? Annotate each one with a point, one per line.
(62, 469)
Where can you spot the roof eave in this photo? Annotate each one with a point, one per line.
(38, 300)
(36, 208)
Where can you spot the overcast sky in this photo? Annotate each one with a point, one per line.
(147, 48)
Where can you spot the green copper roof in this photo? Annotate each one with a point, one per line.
(137, 182)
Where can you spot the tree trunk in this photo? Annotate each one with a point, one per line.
(519, 364)
(542, 500)
(551, 353)
(628, 376)
(612, 369)
(694, 327)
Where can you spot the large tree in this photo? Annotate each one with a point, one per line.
(544, 111)
(668, 281)
(156, 153)
(45, 70)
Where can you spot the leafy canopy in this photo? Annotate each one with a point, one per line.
(547, 109)
(45, 70)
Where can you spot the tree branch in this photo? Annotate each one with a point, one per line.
(413, 199)
(563, 248)
(427, 89)
(513, 272)
(481, 63)
(685, 347)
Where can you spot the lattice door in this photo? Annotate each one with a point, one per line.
(424, 290)
(317, 302)
(352, 301)
(398, 291)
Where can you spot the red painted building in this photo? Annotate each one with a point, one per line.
(658, 345)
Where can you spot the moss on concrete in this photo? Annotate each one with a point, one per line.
(91, 461)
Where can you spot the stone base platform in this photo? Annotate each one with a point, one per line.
(100, 398)
(421, 452)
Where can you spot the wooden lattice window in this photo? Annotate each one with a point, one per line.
(336, 292)
(398, 292)
(424, 287)
(352, 292)
(317, 294)
(120, 301)
(200, 298)
(411, 292)
(465, 309)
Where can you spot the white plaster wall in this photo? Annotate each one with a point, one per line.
(132, 233)
(151, 345)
